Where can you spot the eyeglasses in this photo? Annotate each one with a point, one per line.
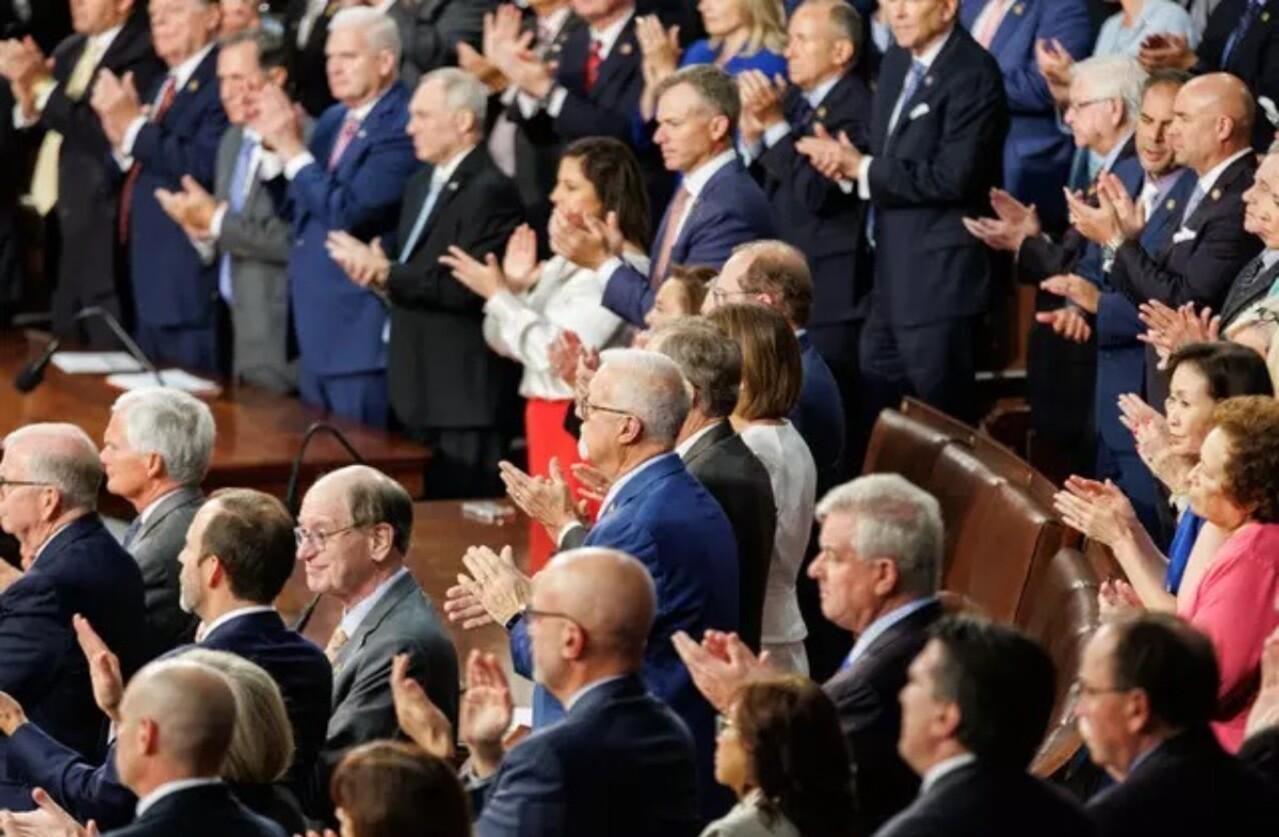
(720, 295)
(723, 724)
(1078, 106)
(533, 614)
(320, 539)
(1080, 689)
(588, 408)
(8, 483)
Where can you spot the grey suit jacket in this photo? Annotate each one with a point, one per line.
(430, 30)
(155, 548)
(402, 622)
(258, 240)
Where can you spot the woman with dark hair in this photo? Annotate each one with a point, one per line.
(528, 304)
(393, 789)
(781, 751)
(1203, 374)
(772, 373)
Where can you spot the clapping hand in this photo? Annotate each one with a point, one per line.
(834, 158)
(720, 665)
(660, 49)
(496, 582)
(1168, 329)
(1164, 50)
(1116, 599)
(117, 104)
(192, 208)
(485, 279)
(593, 484)
(761, 103)
(1265, 710)
(519, 264)
(364, 264)
(585, 240)
(548, 500)
(47, 820)
(1098, 510)
(1067, 322)
(278, 122)
(104, 668)
(563, 353)
(1078, 290)
(1054, 62)
(23, 64)
(486, 711)
(419, 718)
(1013, 223)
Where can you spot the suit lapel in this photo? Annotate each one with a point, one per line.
(175, 501)
(1219, 189)
(398, 591)
(891, 80)
(721, 431)
(619, 56)
(690, 222)
(354, 152)
(1011, 23)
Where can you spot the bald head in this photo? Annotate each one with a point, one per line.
(176, 721)
(60, 455)
(607, 592)
(1212, 121)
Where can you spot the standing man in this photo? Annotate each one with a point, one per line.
(73, 172)
(351, 177)
(306, 30)
(174, 293)
(431, 30)
(939, 111)
(448, 388)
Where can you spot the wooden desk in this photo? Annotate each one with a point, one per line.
(259, 433)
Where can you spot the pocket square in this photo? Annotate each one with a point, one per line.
(1184, 234)
(921, 109)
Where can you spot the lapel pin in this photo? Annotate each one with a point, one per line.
(361, 134)
(1216, 194)
(1172, 204)
(821, 112)
(1018, 9)
(928, 81)
(453, 186)
(1265, 17)
(625, 49)
(194, 85)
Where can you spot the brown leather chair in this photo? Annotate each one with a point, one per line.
(1060, 611)
(942, 423)
(1102, 560)
(901, 445)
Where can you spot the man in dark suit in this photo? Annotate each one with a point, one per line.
(306, 31)
(939, 109)
(448, 388)
(974, 711)
(352, 178)
(430, 31)
(880, 534)
(1147, 691)
(46, 23)
(155, 453)
(353, 534)
(73, 566)
(173, 292)
(240, 228)
(74, 173)
(809, 211)
(1257, 277)
(716, 208)
(246, 540)
(620, 762)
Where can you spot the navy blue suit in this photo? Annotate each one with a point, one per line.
(83, 570)
(174, 293)
(730, 210)
(1038, 153)
(620, 763)
(932, 279)
(666, 519)
(818, 415)
(95, 792)
(339, 324)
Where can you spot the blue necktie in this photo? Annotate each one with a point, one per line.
(913, 78)
(1192, 204)
(238, 196)
(131, 533)
(1249, 16)
(420, 224)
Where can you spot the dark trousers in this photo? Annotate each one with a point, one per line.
(839, 345)
(192, 347)
(463, 461)
(361, 396)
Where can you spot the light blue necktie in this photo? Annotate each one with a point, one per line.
(916, 74)
(1192, 204)
(238, 196)
(1246, 20)
(422, 217)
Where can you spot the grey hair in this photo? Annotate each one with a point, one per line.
(1113, 77)
(462, 92)
(73, 468)
(895, 519)
(653, 390)
(174, 424)
(710, 361)
(714, 87)
(380, 31)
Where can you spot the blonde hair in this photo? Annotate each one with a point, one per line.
(767, 23)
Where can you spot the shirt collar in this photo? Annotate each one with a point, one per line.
(685, 446)
(444, 171)
(361, 113)
(607, 38)
(352, 617)
(697, 179)
(944, 768)
(49, 540)
(553, 23)
(933, 51)
(1214, 174)
(1109, 160)
(182, 73)
(170, 788)
(145, 514)
(616, 488)
(819, 93)
(589, 687)
(207, 630)
(877, 628)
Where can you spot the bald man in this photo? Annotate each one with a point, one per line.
(621, 762)
(176, 721)
(49, 481)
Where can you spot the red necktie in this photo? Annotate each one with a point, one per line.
(167, 95)
(593, 62)
(350, 127)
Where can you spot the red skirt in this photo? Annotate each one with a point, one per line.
(547, 438)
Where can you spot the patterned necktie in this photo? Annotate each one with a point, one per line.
(167, 96)
(237, 197)
(44, 179)
(1249, 17)
(674, 219)
(593, 61)
(350, 127)
(336, 643)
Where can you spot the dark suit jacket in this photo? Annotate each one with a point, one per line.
(308, 77)
(934, 169)
(977, 800)
(204, 811)
(730, 210)
(89, 180)
(1260, 751)
(81, 570)
(431, 29)
(811, 211)
(441, 372)
(1244, 294)
(620, 763)
(155, 548)
(1200, 269)
(171, 286)
(738, 481)
(339, 324)
(865, 695)
(1254, 59)
(818, 415)
(1187, 786)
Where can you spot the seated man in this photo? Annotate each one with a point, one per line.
(620, 763)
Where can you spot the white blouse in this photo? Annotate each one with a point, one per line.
(566, 298)
(793, 475)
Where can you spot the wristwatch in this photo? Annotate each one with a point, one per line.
(509, 624)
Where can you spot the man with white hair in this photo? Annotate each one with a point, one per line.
(447, 387)
(655, 510)
(155, 453)
(877, 571)
(350, 177)
(49, 480)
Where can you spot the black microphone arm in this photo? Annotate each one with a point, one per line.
(32, 375)
(291, 499)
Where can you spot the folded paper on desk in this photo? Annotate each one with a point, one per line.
(95, 363)
(173, 378)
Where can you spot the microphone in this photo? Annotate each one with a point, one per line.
(291, 499)
(32, 375)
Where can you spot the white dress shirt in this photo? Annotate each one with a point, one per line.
(566, 298)
(1214, 174)
(180, 76)
(685, 446)
(150, 507)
